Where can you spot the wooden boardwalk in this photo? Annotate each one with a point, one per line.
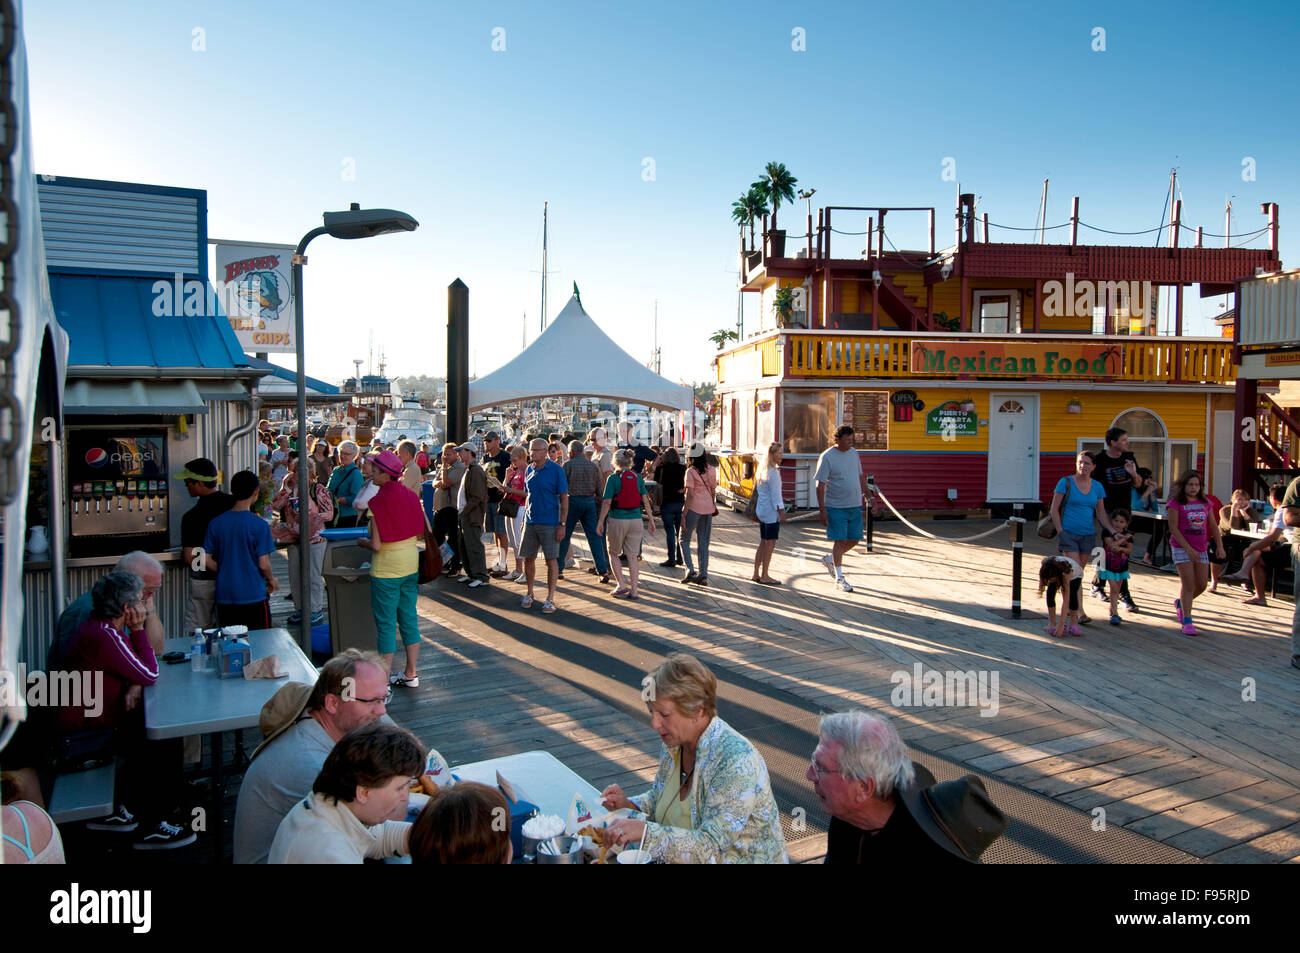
(1188, 741)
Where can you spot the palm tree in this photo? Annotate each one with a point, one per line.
(778, 187)
(740, 214)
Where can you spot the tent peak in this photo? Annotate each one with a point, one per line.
(576, 294)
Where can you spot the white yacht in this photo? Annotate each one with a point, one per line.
(409, 421)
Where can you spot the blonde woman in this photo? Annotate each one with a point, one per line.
(512, 487)
(769, 510)
(711, 801)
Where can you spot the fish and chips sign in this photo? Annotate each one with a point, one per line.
(255, 285)
(1014, 359)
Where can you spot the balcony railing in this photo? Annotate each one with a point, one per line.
(889, 354)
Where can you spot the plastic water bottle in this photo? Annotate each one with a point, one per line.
(198, 652)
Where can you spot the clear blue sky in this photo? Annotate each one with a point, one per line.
(471, 141)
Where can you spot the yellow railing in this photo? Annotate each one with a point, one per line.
(873, 355)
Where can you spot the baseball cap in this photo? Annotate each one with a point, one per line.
(200, 469)
(470, 447)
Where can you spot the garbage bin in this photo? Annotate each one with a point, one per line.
(352, 624)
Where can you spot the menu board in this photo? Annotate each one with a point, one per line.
(867, 412)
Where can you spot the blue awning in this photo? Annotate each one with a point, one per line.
(114, 322)
(313, 384)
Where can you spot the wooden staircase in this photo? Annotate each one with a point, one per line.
(1277, 445)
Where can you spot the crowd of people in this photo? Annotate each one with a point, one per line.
(1205, 538)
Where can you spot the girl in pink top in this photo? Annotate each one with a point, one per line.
(1192, 524)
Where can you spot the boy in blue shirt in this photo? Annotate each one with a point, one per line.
(238, 545)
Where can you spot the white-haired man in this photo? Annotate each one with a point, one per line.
(889, 812)
(137, 563)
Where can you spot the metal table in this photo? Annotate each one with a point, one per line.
(185, 702)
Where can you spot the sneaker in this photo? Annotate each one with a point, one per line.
(120, 820)
(1114, 619)
(702, 580)
(526, 602)
(522, 579)
(474, 584)
(689, 577)
(320, 618)
(1100, 592)
(1188, 628)
(548, 606)
(166, 837)
(404, 682)
(294, 619)
(1129, 604)
(605, 578)
(829, 562)
(462, 578)
(843, 585)
(1178, 610)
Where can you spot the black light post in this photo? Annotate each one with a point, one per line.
(354, 223)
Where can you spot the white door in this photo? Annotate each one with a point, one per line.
(1013, 447)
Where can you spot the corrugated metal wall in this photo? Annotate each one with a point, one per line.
(38, 622)
(1269, 310)
(112, 231)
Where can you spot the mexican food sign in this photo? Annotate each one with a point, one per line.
(1014, 359)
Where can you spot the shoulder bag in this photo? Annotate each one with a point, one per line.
(1046, 528)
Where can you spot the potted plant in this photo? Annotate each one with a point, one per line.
(968, 403)
(944, 322)
(777, 186)
(783, 305)
(722, 336)
(1074, 407)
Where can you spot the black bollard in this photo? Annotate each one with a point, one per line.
(457, 362)
(1017, 556)
(871, 483)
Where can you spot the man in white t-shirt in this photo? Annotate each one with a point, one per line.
(842, 493)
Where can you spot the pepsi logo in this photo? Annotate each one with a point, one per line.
(96, 456)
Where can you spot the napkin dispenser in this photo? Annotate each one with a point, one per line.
(229, 656)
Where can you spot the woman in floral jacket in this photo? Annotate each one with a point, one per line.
(711, 801)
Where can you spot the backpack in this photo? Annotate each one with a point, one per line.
(628, 497)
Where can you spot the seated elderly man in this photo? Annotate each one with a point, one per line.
(711, 801)
(364, 780)
(889, 812)
(301, 724)
(138, 563)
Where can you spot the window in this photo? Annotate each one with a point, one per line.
(1011, 407)
(1148, 442)
(807, 420)
(997, 312)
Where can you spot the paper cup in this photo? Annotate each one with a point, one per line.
(1254, 527)
(634, 857)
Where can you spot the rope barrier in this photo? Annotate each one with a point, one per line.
(947, 539)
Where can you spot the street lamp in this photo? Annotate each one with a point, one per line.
(808, 194)
(356, 222)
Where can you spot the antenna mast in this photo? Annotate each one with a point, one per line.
(543, 266)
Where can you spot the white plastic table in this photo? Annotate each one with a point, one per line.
(185, 702)
(538, 776)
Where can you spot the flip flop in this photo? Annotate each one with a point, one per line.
(770, 582)
(621, 592)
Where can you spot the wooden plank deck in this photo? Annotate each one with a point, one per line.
(1137, 719)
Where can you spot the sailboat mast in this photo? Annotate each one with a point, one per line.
(543, 266)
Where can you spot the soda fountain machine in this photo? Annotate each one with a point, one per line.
(117, 491)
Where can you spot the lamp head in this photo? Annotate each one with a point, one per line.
(357, 222)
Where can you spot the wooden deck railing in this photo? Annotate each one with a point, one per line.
(886, 354)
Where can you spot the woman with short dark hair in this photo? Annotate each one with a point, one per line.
(468, 823)
(670, 474)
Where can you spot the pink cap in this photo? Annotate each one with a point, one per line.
(388, 462)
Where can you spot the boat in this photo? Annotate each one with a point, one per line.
(409, 420)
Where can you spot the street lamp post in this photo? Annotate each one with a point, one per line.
(354, 223)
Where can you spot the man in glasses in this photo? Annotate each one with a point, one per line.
(887, 811)
(300, 725)
(137, 563)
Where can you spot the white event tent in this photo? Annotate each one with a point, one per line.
(547, 368)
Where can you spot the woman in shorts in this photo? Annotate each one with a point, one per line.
(1077, 500)
(769, 510)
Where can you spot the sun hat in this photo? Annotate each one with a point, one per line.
(957, 815)
(388, 462)
(282, 711)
